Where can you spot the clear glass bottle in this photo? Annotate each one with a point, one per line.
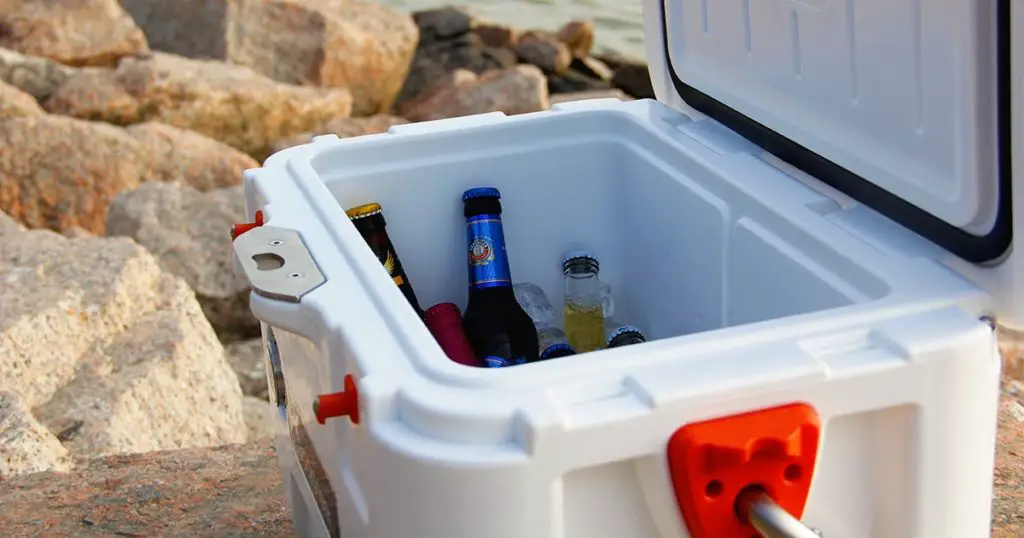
(553, 341)
(584, 311)
(607, 301)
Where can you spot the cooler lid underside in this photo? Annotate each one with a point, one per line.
(901, 104)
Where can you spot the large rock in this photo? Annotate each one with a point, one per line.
(110, 353)
(260, 418)
(443, 23)
(229, 103)
(15, 103)
(26, 446)
(630, 75)
(246, 359)
(545, 51)
(573, 80)
(39, 77)
(496, 35)
(163, 384)
(9, 225)
(177, 154)
(515, 90)
(362, 46)
(100, 95)
(58, 172)
(578, 36)
(188, 233)
(73, 32)
(191, 28)
(438, 59)
(344, 128)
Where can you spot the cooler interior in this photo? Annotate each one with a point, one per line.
(684, 248)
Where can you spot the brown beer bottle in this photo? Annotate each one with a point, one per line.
(369, 220)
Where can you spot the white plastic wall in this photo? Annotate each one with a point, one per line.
(758, 294)
(683, 250)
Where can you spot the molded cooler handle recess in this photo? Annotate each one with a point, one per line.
(741, 475)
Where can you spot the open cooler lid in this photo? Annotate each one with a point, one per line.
(901, 104)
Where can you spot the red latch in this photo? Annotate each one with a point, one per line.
(713, 462)
(338, 404)
(239, 229)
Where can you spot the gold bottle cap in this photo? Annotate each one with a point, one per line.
(364, 210)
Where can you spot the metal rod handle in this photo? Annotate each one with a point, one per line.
(770, 519)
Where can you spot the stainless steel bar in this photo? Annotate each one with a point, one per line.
(770, 519)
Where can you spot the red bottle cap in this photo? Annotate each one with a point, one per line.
(445, 322)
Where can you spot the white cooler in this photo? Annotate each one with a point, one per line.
(813, 224)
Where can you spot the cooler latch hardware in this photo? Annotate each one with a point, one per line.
(239, 229)
(277, 263)
(338, 404)
(738, 476)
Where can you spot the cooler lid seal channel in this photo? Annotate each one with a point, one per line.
(904, 105)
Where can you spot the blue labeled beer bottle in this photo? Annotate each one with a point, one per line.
(499, 330)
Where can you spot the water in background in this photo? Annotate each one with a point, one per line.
(619, 23)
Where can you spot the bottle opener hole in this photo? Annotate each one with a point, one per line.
(268, 261)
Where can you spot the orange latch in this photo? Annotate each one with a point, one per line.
(713, 462)
(239, 229)
(338, 404)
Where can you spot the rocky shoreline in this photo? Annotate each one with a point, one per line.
(130, 361)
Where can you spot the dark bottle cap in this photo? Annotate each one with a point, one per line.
(584, 257)
(481, 201)
(481, 192)
(625, 335)
(556, 351)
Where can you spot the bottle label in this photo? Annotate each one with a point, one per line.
(491, 361)
(488, 262)
(379, 244)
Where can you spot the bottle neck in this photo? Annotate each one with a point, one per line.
(488, 260)
(582, 285)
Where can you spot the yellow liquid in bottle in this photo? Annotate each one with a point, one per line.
(584, 325)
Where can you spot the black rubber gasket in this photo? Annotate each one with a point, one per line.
(973, 248)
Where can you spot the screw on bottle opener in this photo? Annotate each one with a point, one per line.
(754, 505)
(276, 263)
